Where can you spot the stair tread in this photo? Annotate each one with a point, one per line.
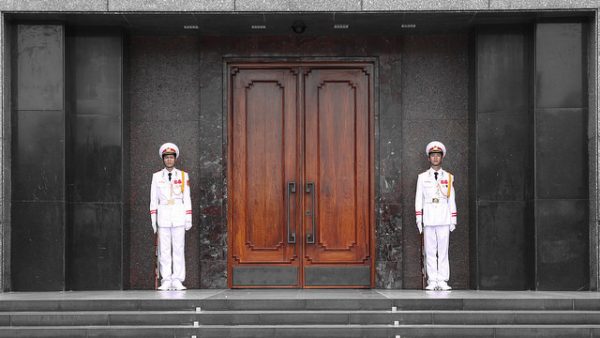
(159, 312)
(333, 326)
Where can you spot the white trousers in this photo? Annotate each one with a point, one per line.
(436, 240)
(171, 244)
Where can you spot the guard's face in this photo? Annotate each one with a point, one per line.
(435, 159)
(169, 161)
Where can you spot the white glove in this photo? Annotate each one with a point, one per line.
(420, 227)
(154, 227)
(188, 225)
(452, 227)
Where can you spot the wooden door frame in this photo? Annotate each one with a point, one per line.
(271, 62)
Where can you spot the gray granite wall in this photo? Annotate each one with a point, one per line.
(177, 94)
(435, 107)
(164, 94)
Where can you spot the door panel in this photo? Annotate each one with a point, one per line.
(263, 159)
(300, 153)
(337, 159)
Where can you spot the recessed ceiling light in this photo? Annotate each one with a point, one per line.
(258, 26)
(190, 27)
(341, 26)
(409, 25)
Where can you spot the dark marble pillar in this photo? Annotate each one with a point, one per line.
(502, 255)
(561, 157)
(38, 159)
(388, 164)
(95, 160)
(213, 169)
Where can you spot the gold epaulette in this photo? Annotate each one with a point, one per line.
(182, 181)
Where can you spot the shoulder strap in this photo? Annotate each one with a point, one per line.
(182, 181)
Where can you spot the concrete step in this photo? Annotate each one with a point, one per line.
(402, 317)
(591, 304)
(306, 331)
(145, 318)
(99, 304)
(300, 313)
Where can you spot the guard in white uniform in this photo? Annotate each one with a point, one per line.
(171, 211)
(435, 210)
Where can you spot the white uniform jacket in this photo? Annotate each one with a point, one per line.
(170, 200)
(434, 201)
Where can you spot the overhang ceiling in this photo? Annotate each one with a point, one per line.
(281, 23)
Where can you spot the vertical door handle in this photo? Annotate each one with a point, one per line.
(291, 189)
(310, 189)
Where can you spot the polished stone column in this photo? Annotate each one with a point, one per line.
(95, 161)
(561, 157)
(38, 159)
(502, 165)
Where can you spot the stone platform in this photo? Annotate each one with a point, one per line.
(300, 313)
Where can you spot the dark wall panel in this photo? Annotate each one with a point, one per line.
(94, 246)
(503, 163)
(95, 160)
(562, 251)
(503, 247)
(38, 152)
(561, 153)
(559, 66)
(39, 67)
(503, 71)
(561, 224)
(38, 156)
(37, 258)
(503, 157)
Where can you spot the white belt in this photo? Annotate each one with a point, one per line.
(176, 200)
(436, 201)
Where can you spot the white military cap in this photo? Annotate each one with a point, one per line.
(435, 147)
(168, 149)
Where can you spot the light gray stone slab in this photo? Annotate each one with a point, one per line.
(543, 4)
(170, 5)
(54, 5)
(297, 6)
(424, 5)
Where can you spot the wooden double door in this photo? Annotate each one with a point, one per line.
(300, 175)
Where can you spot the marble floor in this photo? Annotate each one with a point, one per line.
(296, 294)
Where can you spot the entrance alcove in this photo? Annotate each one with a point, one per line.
(94, 96)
